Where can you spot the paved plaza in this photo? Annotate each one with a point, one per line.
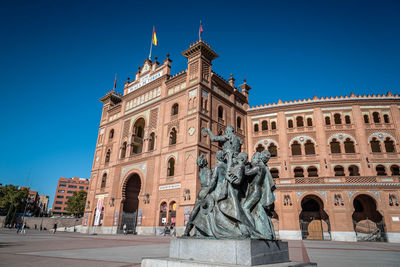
(74, 249)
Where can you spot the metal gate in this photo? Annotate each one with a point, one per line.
(313, 230)
(370, 231)
(130, 219)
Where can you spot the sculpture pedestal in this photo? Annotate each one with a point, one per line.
(209, 252)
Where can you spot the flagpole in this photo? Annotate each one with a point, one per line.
(151, 43)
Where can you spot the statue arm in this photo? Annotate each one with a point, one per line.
(214, 138)
(251, 171)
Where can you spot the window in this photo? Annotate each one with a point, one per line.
(103, 181)
(239, 123)
(123, 150)
(339, 171)
(260, 148)
(395, 170)
(62, 185)
(264, 125)
(256, 127)
(175, 109)
(327, 121)
(57, 208)
(273, 150)
(375, 145)
(70, 192)
(380, 170)
(347, 119)
(290, 124)
(376, 117)
(389, 145)
(81, 187)
(312, 171)
(108, 154)
(152, 141)
(298, 172)
(274, 173)
(349, 146)
(72, 186)
(309, 122)
(111, 134)
(299, 121)
(171, 167)
(296, 148)
(172, 137)
(58, 202)
(335, 146)
(60, 196)
(309, 148)
(61, 191)
(386, 118)
(337, 118)
(273, 125)
(353, 170)
(366, 119)
(220, 113)
(68, 197)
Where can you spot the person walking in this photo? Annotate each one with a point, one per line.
(18, 228)
(124, 229)
(23, 231)
(55, 228)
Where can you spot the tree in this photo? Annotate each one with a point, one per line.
(76, 204)
(12, 201)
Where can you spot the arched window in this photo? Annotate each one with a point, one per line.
(389, 145)
(309, 121)
(290, 124)
(395, 170)
(220, 113)
(299, 121)
(103, 180)
(175, 109)
(260, 148)
(380, 170)
(298, 172)
(172, 137)
(273, 125)
(327, 121)
(335, 146)
(296, 148)
(108, 155)
(152, 141)
(137, 137)
(256, 127)
(337, 118)
(274, 173)
(349, 146)
(273, 150)
(366, 118)
(347, 119)
(376, 117)
(171, 167)
(123, 150)
(353, 170)
(309, 148)
(264, 125)
(375, 145)
(312, 171)
(386, 118)
(239, 123)
(339, 170)
(111, 134)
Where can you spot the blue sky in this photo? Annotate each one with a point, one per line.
(57, 58)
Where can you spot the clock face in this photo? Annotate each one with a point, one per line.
(191, 131)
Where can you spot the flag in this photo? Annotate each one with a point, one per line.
(155, 42)
(200, 30)
(115, 82)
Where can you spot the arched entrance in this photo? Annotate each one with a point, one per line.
(172, 213)
(314, 221)
(130, 193)
(275, 223)
(368, 222)
(163, 214)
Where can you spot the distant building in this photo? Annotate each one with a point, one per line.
(33, 202)
(43, 203)
(65, 189)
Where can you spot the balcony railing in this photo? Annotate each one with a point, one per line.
(338, 180)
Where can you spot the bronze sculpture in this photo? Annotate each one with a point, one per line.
(236, 198)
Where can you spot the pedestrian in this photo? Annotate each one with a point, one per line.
(124, 229)
(172, 230)
(23, 231)
(18, 228)
(54, 228)
(166, 230)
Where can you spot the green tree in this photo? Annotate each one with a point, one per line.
(12, 201)
(76, 204)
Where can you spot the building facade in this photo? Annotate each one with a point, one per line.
(335, 160)
(65, 189)
(43, 204)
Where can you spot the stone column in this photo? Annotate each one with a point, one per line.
(362, 141)
(322, 142)
(283, 145)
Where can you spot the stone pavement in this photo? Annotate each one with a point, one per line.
(74, 249)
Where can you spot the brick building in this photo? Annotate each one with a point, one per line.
(335, 160)
(43, 204)
(65, 189)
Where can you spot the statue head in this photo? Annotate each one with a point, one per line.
(220, 155)
(242, 157)
(201, 161)
(229, 130)
(255, 158)
(265, 156)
